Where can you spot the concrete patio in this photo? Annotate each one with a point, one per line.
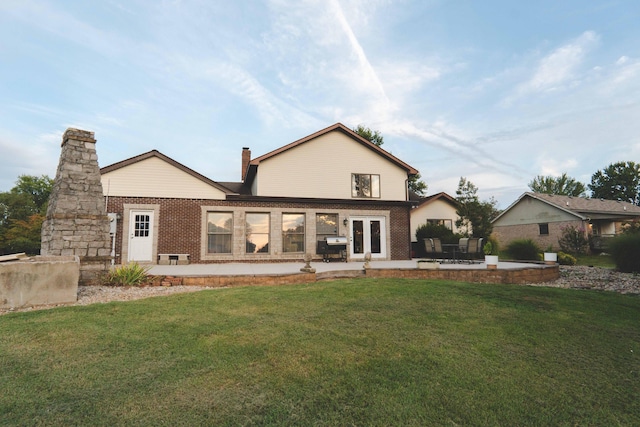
(242, 269)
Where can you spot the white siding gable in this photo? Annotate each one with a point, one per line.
(153, 177)
(437, 209)
(322, 168)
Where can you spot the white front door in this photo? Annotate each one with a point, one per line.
(141, 235)
(368, 234)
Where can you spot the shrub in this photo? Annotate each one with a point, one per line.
(566, 259)
(625, 251)
(523, 249)
(631, 226)
(132, 274)
(490, 246)
(434, 231)
(573, 240)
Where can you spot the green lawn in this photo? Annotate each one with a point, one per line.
(604, 261)
(347, 352)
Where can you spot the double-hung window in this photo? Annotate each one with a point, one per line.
(365, 185)
(219, 232)
(293, 232)
(256, 230)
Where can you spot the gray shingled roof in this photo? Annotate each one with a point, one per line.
(584, 205)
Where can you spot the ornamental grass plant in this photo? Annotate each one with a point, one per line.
(132, 274)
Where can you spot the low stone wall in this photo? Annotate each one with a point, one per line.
(250, 280)
(513, 276)
(538, 274)
(39, 281)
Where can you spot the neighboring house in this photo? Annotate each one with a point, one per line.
(541, 217)
(330, 183)
(439, 208)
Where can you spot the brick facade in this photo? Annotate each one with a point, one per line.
(180, 226)
(505, 234)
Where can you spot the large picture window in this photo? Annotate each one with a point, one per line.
(219, 232)
(293, 232)
(365, 185)
(256, 231)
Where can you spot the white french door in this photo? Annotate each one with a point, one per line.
(141, 235)
(368, 234)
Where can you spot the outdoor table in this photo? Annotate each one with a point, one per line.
(452, 249)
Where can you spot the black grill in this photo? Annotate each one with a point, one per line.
(333, 248)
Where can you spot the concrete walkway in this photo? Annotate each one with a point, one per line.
(256, 269)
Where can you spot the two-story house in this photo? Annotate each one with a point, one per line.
(330, 183)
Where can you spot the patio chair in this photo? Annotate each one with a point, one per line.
(437, 248)
(428, 246)
(462, 244)
(480, 251)
(472, 249)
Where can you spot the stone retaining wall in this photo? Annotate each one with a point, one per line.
(38, 281)
(523, 275)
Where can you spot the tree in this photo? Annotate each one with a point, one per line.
(562, 185)
(474, 215)
(415, 184)
(370, 135)
(24, 235)
(22, 210)
(37, 188)
(618, 181)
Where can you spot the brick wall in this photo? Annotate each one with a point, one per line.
(506, 234)
(180, 225)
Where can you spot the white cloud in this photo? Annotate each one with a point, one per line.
(559, 69)
(622, 60)
(549, 165)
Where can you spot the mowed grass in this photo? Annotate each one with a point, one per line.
(347, 352)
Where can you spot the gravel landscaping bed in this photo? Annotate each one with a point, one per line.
(573, 277)
(602, 279)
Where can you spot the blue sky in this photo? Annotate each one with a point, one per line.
(495, 91)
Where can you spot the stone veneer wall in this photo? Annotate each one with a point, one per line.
(76, 221)
(524, 275)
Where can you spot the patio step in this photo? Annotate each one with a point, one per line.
(340, 274)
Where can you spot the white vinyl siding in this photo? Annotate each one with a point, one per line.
(323, 168)
(436, 210)
(153, 177)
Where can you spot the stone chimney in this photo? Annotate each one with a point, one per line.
(77, 222)
(246, 158)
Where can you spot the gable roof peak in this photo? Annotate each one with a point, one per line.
(157, 154)
(339, 127)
